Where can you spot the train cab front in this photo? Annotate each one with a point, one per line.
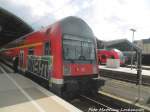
(79, 65)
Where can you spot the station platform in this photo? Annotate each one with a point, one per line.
(20, 94)
(126, 70)
(125, 74)
(127, 92)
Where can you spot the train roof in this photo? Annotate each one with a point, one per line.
(80, 27)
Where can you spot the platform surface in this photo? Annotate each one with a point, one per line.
(20, 94)
(126, 70)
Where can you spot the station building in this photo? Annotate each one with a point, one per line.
(144, 44)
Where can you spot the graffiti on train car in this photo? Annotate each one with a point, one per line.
(40, 65)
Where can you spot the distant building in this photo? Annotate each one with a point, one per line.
(144, 44)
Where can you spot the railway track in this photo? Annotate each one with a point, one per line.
(101, 103)
(97, 105)
(90, 104)
(122, 76)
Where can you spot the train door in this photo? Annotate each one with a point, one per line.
(47, 55)
(47, 48)
(31, 51)
(30, 64)
(21, 59)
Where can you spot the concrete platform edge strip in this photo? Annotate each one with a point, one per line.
(124, 100)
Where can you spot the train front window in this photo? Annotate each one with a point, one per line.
(78, 49)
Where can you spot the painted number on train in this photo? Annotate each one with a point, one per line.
(40, 66)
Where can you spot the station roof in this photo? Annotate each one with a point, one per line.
(11, 27)
(121, 44)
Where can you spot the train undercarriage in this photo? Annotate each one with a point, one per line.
(74, 86)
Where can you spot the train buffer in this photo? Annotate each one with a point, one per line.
(20, 94)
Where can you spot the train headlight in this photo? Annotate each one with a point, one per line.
(67, 70)
(95, 69)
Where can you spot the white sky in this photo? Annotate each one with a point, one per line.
(109, 19)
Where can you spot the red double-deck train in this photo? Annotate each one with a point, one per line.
(105, 54)
(63, 54)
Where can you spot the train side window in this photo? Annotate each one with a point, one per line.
(103, 57)
(47, 48)
(31, 51)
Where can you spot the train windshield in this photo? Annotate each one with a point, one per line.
(75, 48)
(122, 58)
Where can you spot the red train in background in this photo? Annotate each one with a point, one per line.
(63, 54)
(104, 54)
